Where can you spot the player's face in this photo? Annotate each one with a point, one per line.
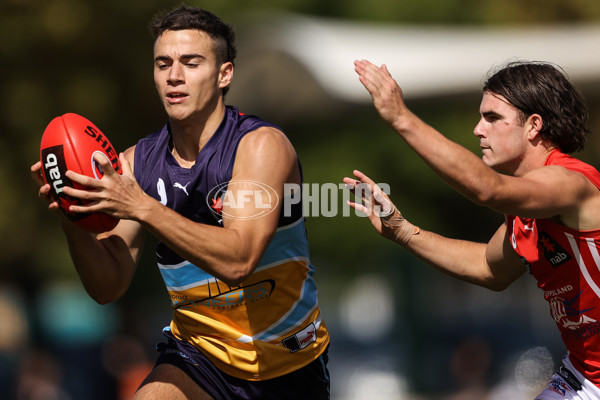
(186, 74)
(502, 136)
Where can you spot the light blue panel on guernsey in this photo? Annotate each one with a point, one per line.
(288, 242)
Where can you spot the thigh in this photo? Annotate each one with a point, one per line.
(167, 382)
(310, 382)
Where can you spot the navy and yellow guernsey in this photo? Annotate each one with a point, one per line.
(271, 324)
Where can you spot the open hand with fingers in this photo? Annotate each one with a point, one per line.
(387, 95)
(380, 210)
(115, 194)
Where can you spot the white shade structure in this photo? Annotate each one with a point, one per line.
(309, 57)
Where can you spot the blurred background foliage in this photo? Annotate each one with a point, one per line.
(95, 59)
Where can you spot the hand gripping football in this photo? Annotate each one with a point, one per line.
(69, 143)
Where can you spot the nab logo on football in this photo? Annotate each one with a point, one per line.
(242, 199)
(55, 168)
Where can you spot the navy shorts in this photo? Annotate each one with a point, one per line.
(310, 382)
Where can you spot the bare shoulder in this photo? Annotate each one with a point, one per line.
(579, 195)
(266, 153)
(266, 138)
(264, 144)
(564, 179)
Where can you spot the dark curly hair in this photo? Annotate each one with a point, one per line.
(185, 17)
(543, 88)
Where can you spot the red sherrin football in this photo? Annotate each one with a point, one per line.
(69, 143)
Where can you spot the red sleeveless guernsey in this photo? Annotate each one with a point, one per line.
(566, 265)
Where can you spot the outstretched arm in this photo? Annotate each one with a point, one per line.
(493, 265)
(452, 162)
(536, 191)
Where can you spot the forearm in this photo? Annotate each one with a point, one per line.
(455, 164)
(489, 265)
(460, 259)
(493, 265)
(104, 264)
(219, 251)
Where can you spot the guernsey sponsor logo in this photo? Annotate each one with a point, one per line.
(567, 316)
(229, 298)
(556, 292)
(558, 386)
(301, 339)
(553, 252)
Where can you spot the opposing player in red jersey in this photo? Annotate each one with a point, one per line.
(531, 118)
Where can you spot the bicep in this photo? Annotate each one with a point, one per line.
(264, 163)
(504, 264)
(543, 193)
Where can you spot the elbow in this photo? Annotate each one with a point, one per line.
(239, 273)
(498, 288)
(235, 280)
(483, 197)
(489, 195)
(495, 285)
(102, 301)
(103, 297)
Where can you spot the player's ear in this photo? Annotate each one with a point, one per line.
(534, 124)
(225, 74)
